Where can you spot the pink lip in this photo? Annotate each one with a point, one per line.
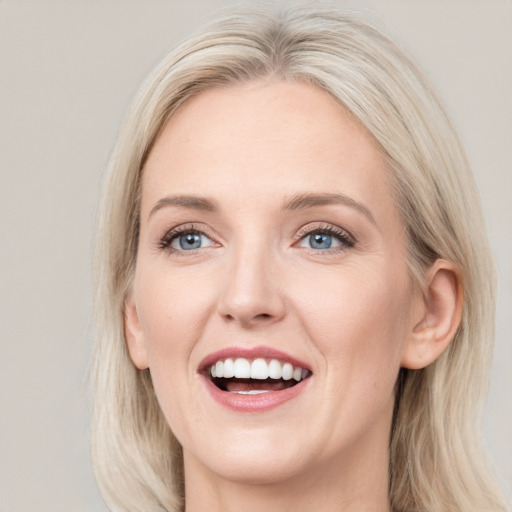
(250, 353)
(251, 403)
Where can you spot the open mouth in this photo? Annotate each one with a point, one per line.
(255, 376)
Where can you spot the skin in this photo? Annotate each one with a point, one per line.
(351, 311)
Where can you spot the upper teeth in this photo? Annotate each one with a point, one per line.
(242, 368)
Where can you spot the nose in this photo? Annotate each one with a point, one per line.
(252, 296)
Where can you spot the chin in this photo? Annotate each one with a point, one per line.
(255, 463)
(263, 471)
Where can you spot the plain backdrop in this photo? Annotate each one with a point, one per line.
(67, 72)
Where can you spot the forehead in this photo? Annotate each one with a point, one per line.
(267, 138)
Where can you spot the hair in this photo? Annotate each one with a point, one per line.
(436, 463)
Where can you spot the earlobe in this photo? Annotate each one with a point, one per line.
(134, 336)
(436, 316)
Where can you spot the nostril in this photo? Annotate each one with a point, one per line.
(258, 317)
(262, 318)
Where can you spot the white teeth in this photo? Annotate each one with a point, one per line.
(252, 392)
(229, 369)
(259, 369)
(274, 369)
(287, 371)
(219, 369)
(242, 368)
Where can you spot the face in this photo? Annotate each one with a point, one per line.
(270, 243)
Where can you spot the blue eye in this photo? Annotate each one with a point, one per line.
(326, 238)
(190, 241)
(321, 241)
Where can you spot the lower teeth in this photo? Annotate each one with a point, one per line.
(252, 392)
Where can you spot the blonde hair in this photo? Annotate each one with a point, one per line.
(435, 458)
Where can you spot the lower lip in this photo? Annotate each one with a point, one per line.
(254, 403)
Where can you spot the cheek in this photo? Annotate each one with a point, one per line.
(358, 315)
(172, 307)
(358, 322)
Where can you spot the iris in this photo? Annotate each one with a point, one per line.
(320, 241)
(190, 241)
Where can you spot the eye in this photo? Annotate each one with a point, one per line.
(185, 238)
(320, 241)
(190, 241)
(325, 238)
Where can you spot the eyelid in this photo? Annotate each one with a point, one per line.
(332, 229)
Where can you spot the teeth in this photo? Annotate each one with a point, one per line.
(229, 369)
(259, 369)
(242, 369)
(275, 370)
(252, 392)
(287, 371)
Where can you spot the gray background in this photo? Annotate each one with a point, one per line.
(67, 72)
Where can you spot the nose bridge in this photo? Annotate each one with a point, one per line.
(252, 295)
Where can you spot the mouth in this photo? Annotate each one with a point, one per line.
(255, 376)
(253, 379)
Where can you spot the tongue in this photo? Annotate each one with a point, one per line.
(234, 385)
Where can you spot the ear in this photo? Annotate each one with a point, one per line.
(436, 315)
(134, 337)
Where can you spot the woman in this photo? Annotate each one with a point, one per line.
(293, 283)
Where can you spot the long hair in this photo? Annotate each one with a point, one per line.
(435, 459)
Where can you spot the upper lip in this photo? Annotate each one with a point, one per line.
(250, 353)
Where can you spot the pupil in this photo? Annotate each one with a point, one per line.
(320, 241)
(190, 241)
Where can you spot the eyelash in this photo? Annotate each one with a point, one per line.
(346, 240)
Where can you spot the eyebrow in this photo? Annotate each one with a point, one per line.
(296, 202)
(311, 200)
(187, 202)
